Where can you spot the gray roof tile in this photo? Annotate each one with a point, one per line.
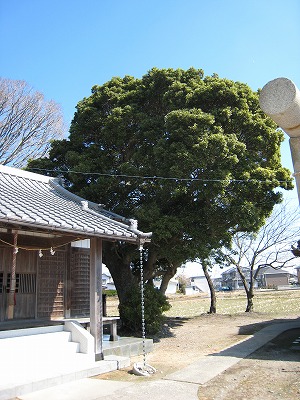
(39, 201)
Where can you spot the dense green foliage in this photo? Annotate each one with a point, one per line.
(193, 158)
(175, 124)
(131, 311)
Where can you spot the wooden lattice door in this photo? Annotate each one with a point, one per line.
(25, 287)
(51, 278)
(80, 278)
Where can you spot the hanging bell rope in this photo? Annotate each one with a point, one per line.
(143, 369)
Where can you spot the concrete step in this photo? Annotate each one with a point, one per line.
(25, 376)
(127, 347)
(46, 345)
(31, 331)
(41, 344)
(37, 358)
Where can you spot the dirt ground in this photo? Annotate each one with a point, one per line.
(271, 372)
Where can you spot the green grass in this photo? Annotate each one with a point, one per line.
(270, 302)
(275, 303)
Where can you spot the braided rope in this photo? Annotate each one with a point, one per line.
(143, 304)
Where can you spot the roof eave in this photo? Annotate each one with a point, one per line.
(137, 238)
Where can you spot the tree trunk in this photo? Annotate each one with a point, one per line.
(250, 296)
(171, 271)
(248, 288)
(119, 267)
(250, 293)
(149, 265)
(213, 299)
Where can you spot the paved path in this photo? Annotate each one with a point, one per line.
(183, 384)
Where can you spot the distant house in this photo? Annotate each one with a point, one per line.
(107, 280)
(199, 283)
(172, 285)
(217, 282)
(231, 278)
(191, 290)
(269, 277)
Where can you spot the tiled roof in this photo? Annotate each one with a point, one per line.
(29, 199)
(271, 271)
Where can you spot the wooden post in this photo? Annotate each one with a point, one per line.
(68, 283)
(12, 290)
(96, 323)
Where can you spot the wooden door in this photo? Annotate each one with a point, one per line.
(80, 278)
(25, 293)
(51, 278)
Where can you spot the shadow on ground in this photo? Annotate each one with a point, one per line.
(167, 330)
(271, 372)
(250, 329)
(281, 348)
(285, 346)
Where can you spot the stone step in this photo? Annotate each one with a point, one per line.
(52, 344)
(31, 331)
(38, 358)
(24, 376)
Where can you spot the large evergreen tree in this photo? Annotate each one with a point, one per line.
(193, 158)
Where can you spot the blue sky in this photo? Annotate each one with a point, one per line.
(64, 47)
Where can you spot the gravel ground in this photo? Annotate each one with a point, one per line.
(271, 372)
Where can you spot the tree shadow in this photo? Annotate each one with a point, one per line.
(166, 330)
(270, 340)
(168, 327)
(281, 348)
(251, 329)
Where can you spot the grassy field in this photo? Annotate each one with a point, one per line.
(269, 302)
(275, 302)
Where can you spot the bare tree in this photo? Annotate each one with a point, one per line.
(27, 123)
(270, 247)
